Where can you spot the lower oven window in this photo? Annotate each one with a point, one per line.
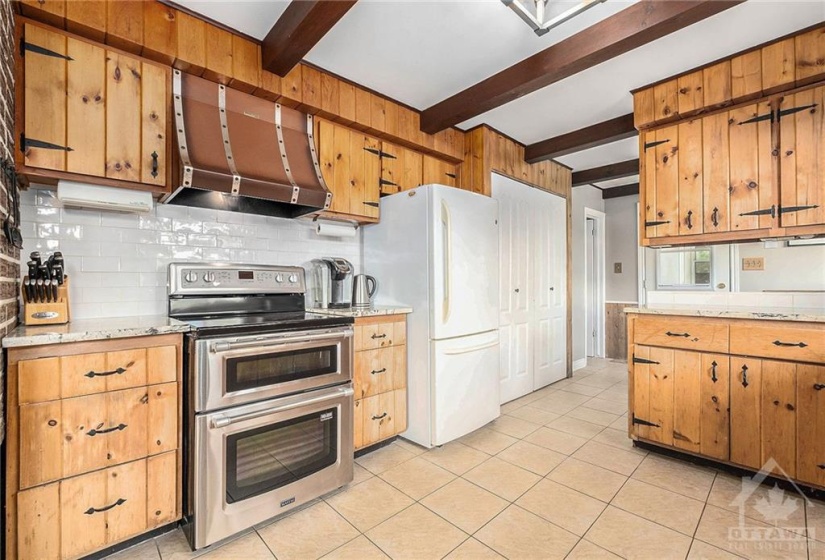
(260, 370)
(266, 458)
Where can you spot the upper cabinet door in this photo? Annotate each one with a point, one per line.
(802, 157)
(439, 171)
(93, 111)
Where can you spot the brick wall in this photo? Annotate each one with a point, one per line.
(9, 256)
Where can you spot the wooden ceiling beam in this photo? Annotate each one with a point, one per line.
(606, 172)
(624, 190)
(599, 134)
(300, 27)
(639, 24)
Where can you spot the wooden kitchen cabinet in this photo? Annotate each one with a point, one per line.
(93, 444)
(801, 120)
(401, 168)
(351, 168)
(91, 113)
(380, 378)
(762, 399)
(681, 399)
(709, 175)
(439, 171)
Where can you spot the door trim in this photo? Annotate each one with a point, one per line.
(599, 256)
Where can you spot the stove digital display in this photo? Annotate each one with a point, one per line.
(246, 275)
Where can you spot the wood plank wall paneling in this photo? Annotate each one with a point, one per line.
(615, 331)
(174, 37)
(792, 61)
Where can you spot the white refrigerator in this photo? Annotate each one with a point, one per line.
(436, 250)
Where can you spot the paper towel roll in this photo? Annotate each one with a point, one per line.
(335, 229)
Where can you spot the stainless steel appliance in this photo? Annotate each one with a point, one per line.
(332, 279)
(363, 288)
(269, 396)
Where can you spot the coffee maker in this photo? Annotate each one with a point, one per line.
(332, 283)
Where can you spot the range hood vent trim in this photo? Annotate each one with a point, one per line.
(209, 116)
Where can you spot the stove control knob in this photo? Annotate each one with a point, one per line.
(293, 278)
(191, 277)
(279, 278)
(209, 277)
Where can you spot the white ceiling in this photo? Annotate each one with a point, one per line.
(420, 52)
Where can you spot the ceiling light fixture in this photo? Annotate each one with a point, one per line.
(550, 10)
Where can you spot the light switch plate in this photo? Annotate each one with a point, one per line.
(617, 268)
(753, 263)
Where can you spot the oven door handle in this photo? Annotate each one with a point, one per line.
(217, 347)
(223, 420)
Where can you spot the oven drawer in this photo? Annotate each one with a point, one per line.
(47, 379)
(799, 344)
(379, 371)
(682, 332)
(380, 332)
(80, 515)
(380, 417)
(68, 437)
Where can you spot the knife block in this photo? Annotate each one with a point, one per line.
(52, 313)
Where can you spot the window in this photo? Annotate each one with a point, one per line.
(684, 269)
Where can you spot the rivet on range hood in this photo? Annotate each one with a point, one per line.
(243, 153)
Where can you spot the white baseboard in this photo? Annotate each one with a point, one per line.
(579, 364)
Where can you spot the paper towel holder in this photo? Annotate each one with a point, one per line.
(335, 228)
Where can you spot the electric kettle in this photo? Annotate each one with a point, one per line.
(363, 288)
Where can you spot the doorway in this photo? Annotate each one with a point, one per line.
(594, 235)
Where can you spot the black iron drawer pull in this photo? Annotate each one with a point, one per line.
(822, 466)
(715, 217)
(745, 376)
(117, 428)
(379, 336)
(91, 510)
(375, 371)
(780, 343)
(117, 371)
(713, 376)
(690, 219)
(686, 335)
(818, 386)
(379, 417)
(154, 164)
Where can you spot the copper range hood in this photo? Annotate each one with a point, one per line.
(243, 153)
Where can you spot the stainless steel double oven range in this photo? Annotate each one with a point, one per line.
(269, 392)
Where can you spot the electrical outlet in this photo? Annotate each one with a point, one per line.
(617, 268)
(753, 263)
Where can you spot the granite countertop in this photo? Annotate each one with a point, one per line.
(372, 312)
(807, 315)
(93, 329)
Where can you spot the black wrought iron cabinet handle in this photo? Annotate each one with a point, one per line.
(92, 510)
(117, 371)
(117, 428)
(819, 386)
(715, 217)
(745, 376)
(690, 219)
(154, 164)
(780, 343)
(375, 371)
(379, 417)
(686, 335)
(713, 376)
(379, 336)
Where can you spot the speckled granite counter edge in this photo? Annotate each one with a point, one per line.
(800, 315)
(376, 312)
(92, 329)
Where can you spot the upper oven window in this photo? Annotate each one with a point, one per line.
(269, 457)
(260, 370)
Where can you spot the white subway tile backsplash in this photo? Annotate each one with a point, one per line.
(118, 262)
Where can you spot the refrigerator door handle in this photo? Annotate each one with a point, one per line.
(470, 349)
(447, 241)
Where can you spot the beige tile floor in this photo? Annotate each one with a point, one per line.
(554, 477)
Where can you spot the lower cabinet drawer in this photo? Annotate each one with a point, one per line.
(682, 332)
(375, 333)
(798, 344)
(380, 371)
(380, 417)
(80, 515)
(68, 437)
